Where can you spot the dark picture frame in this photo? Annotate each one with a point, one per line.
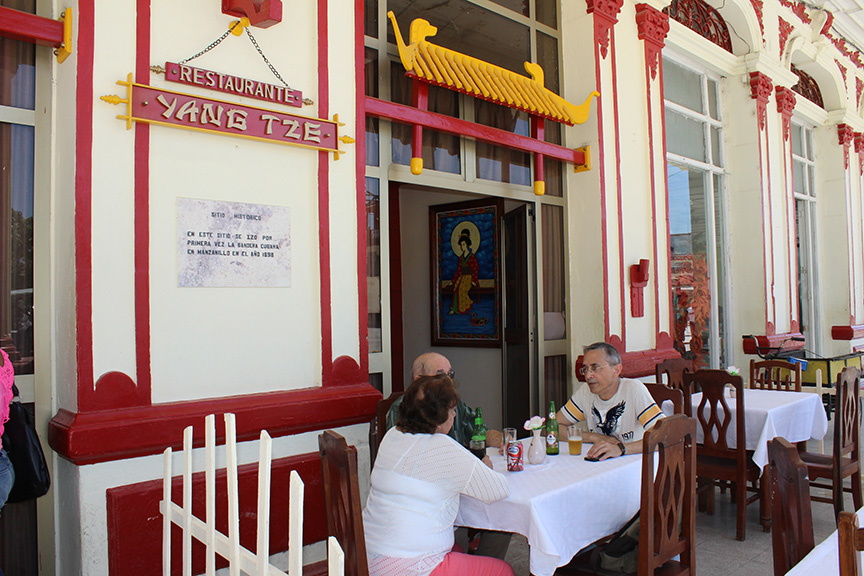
(465, 241)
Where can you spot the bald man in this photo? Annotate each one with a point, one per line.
(493, 544)
(429, 364)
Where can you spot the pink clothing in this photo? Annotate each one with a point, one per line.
(7, 378)
(457, 564)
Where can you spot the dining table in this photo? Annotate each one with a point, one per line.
(824, 559)
(769, 414)
(561, 506)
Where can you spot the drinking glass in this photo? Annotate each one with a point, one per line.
(574, 439)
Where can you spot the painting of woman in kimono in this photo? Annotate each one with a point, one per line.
(466, 276)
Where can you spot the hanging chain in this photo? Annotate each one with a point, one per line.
(257, 47)
(212, 44)
(266, 61)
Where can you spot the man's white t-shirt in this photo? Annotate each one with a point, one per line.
(625, 416)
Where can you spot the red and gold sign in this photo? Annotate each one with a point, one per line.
(169, 108)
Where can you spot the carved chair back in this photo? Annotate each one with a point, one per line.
(342, 504)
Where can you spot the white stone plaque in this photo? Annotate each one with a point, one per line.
(232, 244)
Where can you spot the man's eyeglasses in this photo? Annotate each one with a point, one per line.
(451, 373)
(593, 368)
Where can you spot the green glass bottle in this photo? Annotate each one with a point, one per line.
(552, 430)
(478, 440)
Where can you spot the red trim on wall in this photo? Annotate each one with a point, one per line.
(397, 346)
(410, 115)
(106, 435)
(360, 147)
(847, 332)
(324, 199)
(83, 211)
(142, 218)
(760, 86)
(601, 162)
(135, 523)
(622, 284)
(27, 27)
(772, 341)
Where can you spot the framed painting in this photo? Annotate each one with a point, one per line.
(466, 285)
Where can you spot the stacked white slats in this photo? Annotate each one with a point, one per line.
(239, 559)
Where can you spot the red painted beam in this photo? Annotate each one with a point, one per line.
(26, 27)
(847, 332)
(106, 435)
(450, 125)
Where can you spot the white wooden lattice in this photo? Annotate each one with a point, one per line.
(240, 560)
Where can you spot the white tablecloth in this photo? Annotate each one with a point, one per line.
(561, 506)
(795, 416)
(824, 559)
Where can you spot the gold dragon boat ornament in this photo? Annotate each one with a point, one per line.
(453, 70)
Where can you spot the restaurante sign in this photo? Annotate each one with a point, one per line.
(163, 107)
(192, 76)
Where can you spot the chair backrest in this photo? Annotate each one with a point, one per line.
(792, 530)
(846, 426)
(379, 424)
(667, 521)
(342, 504)
(674, 370)
(850, 541)
(714, 416)
(775, 375)
(661, 393)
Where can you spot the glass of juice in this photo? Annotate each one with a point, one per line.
(574, 440)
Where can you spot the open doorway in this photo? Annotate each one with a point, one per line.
(501, 378)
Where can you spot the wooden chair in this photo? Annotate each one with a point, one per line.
(661, 393)
(667, 514)
(667, 521)
(775, 375)
(674, 369)
(845, 459)
(379, 425)
(342, 504)
(716, 459)
(850, 541)
(792, 531)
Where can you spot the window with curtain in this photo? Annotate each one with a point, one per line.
(695, 183)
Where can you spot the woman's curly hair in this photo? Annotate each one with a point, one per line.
(426, 404)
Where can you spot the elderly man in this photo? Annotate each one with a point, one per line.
(430, 364)
(616, 410)
(492, 544)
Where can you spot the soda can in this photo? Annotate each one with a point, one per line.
(514, 456)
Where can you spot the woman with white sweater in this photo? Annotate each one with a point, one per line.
(418, 476)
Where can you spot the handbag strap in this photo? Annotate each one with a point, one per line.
(15, 393)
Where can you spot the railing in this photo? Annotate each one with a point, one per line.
(228, 546)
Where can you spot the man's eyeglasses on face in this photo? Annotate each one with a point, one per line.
(451, 373)
(593, 368)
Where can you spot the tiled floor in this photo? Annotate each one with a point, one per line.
(717, 551)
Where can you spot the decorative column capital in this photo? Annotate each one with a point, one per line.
(653, 25)
(858, 138)
(785, 106)
(605, 17)
(845, 137)
(760, 90)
